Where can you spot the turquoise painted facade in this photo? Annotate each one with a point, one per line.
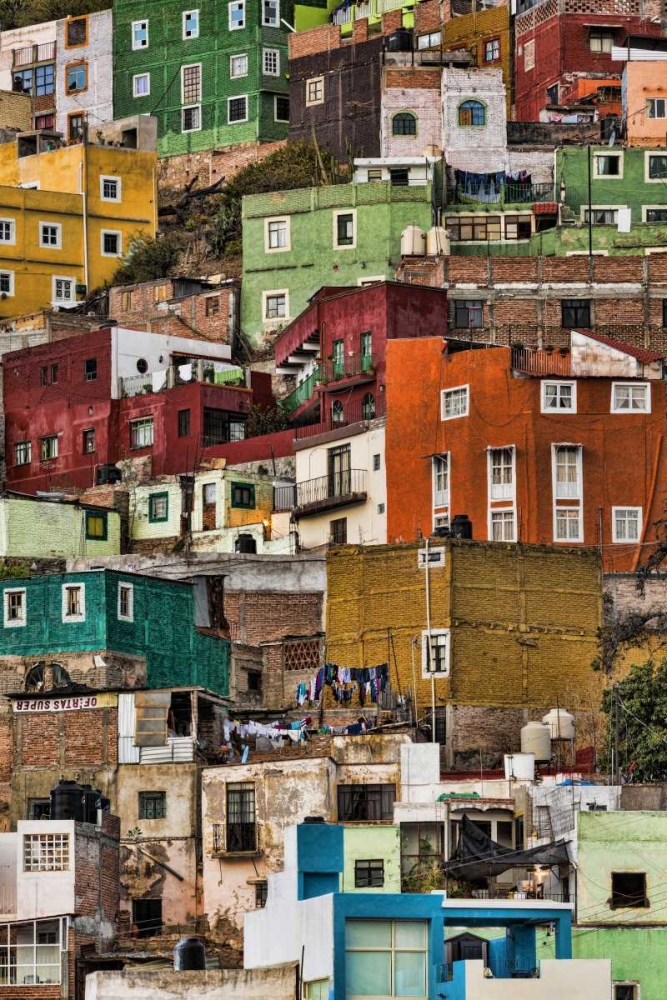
(278, 283)
(152, 618)
(33, 528)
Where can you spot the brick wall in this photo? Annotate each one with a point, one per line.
(266, 616)
(87, 737)
(482, 148)
(417, 91)
(210, 314)
(211, 165)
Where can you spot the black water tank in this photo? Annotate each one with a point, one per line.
(314, 819)
(189, 954)
(245, 543)
(400, 41)
(67, 801)
(107, 474)
(105, 804)
(91, 800)
(461, 526)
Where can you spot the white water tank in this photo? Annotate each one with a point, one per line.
(520, 766)
(536, 739)
(413, 242)
(561, 724)
(437, 241)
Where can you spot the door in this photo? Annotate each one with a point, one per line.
(339, 471)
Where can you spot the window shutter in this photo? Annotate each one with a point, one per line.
(152, 708)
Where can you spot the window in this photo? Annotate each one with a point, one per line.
(90, 370)
(281, 108)
(338, 531)
(628, 889)
(568, 524)
(147, 917)
(608, 164)
(48, 447)
(454, 402)
(492, 50)
(518, 227)
(237, 15)
(212, 305)
(468, 314)
(74, 126)
(220, 427)
(46, 852)
(399, 176)
(656, 107)
(404, 123)
(630, 397)
(183, 423)
(575, 313)
(440, 480)
(111, 243)
(22, 81)
(502, 526)
(365, 802)
(74, 602)
(501, 473)
(344, 229)
(139, 35)
(15, 608)
(369, 874)
(191, 84)
(277, 235)
(88, 442)
(64, 291)
(472, 113)
(435, 654)
(626, 524)
(152, 805)
(337, 413)
(158, 507)
(6, 283)
(429, 41)
(275, 305)
(48, 375)
(261, 893)
(366, 350)
(110, 188)
(7, 231)
(141, 433)
(656, 214)
(386, 958)
(315, 90)
(559, 396)
(271, 13)
(77, 32)
(45, 84)
(22, 453)
(568, 471)
(76, 78)
(238, 66)
(626, 991)
(655, 167)
(243, 495)
(96, 526)
(271, 62)
(440, 729)
(552, 95)
(43, 122)
(474, 227)
(241, 831)
(190, 24)
(191, 119)
(368, 406)
(601, 216)
(141, 85)
(601, 41)
(126, 602)
(50, 234)
(237, 109)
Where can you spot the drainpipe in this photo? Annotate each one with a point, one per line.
(428, 640)
(84, 195)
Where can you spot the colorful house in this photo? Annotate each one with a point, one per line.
(84, 73)
(627, 186)
(31, 527)
(28, 66)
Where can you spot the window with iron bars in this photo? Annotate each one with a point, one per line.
(365, 802)
(241, 828)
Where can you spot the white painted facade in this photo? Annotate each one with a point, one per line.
(22, 38)
(475, 148)
(426, 105)
(593, 359)
(30, 895)
(576, 979)
(130, 347)
(420, 169)
(96, 101)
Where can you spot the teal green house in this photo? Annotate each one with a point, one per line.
(294, 242)
(104, 610)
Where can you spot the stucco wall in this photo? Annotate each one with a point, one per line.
(370, 843)
(21, 38)
(165, 984)
(96, 100)
(30, 529)
(585, 980)
(475, 148)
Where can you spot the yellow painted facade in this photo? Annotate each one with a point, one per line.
(64, 189)
(473, 31)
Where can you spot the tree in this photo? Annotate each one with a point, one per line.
(148, 259)
(636, 708)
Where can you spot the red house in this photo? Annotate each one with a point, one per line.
(78, 405)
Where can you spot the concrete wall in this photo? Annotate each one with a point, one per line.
(637, 955)
(165, 984)
(45, 894)
(583, 980)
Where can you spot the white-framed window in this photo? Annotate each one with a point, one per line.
(237, 109)
(502, 525)
(50, 235)
(627, 990)
(111, 243)
(271, 13)
(46, 852)
(656, 107)
(110, 188)
(277, 235)
(238, 66)
(275, 305)
(63, 291)
(626, 524)
(315, 90)
(440, 480)
(74, 602)
(139, 35)
(608, 166)
(271, 62)
(345, 229)
(190, 24)
(436, 653)
(567, 524)
(237, 15)
(15, 607)
(630, 397)
(280, 108)
(430, 40)
(6, 283)
(567, 471)
(501, 473)
(454, 402)
(48, 447)
(191, 119)
(191, 84)
(390, 957)
(559, 397)
(655, 167)
(7, 231)
(654, 213)
(22, 453)
(125, 602)
(141, 432)
(141, 85)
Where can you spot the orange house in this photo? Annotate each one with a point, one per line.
(564, 447)
(646, 103)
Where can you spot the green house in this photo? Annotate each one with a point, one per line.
(123, 613)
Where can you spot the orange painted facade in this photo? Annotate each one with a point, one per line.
(616, 459)
(646, 89)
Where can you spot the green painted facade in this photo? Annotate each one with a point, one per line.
(372, 843)
(34, 528)
(161, 629)
(632, 187)
(381, 213)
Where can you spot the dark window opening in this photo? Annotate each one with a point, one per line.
(365, 802)
(39, 809)
(90, 369)
(221, 427)
(626, 991)
(338, 531)
(518, 832)
(369, 874)
(468, 314)
(243, 495)
(552, 94)
(664, 312)
(404, 124)
(77, 31)
(254, 681)
(212, 306)
(282, 109)
(628, 889)
(399, 176)
(183, 423)
(179, 717)
(152, 805)
(440, 725)
(261, 892)
(89, 441)
(147, 917)
(576, 313)
(241, 830)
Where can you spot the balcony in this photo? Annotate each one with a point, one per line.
(302, 393)
(30, 54)
(345, 414)
(197, 371)
(360, 367)
(284, 498)
(541, 362)
(339, 489)
(505, 193)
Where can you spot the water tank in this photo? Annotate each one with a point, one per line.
(437, 241)
(400, 41)
(90, 800)
(413, 242)
(67, 801)
(105, 804)
(520, 766)
(189, 954)
(561, 724)
(536, 739)
(245, 543)
(107, 474)
(461, 526)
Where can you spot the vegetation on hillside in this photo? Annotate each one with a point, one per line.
(18, 13)
(636, 710)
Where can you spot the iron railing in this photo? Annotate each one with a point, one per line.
(30, 54)
(371, 407)
(302, 393)
(284, 497)
(339, 486)
(137, 385)
(507, 193)
(346, 367)
(541, 362)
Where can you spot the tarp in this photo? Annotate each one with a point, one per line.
(477, 856)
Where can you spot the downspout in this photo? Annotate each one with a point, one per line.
(654, 481)
(84, 195)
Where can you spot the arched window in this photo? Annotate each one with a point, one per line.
(337, 415)
(472, 113)
(404, 124)
(368, 406)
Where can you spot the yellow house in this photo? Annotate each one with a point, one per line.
(67, 216)
(488, 36)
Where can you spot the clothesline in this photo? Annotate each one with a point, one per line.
(368, 682)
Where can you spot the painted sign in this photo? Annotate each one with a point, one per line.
(74, 704)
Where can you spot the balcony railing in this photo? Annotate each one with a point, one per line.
(369, 408)
(284, 497)
(367, 8)
(506, 193)
(46, 52)
(198, 371)
(336, 489)
(348, 366)
(541, 362)
(301, 394)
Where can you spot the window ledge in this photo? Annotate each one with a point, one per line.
(231, 855)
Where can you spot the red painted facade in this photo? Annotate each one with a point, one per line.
(505, 412)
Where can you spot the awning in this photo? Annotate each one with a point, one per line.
(477, 856)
